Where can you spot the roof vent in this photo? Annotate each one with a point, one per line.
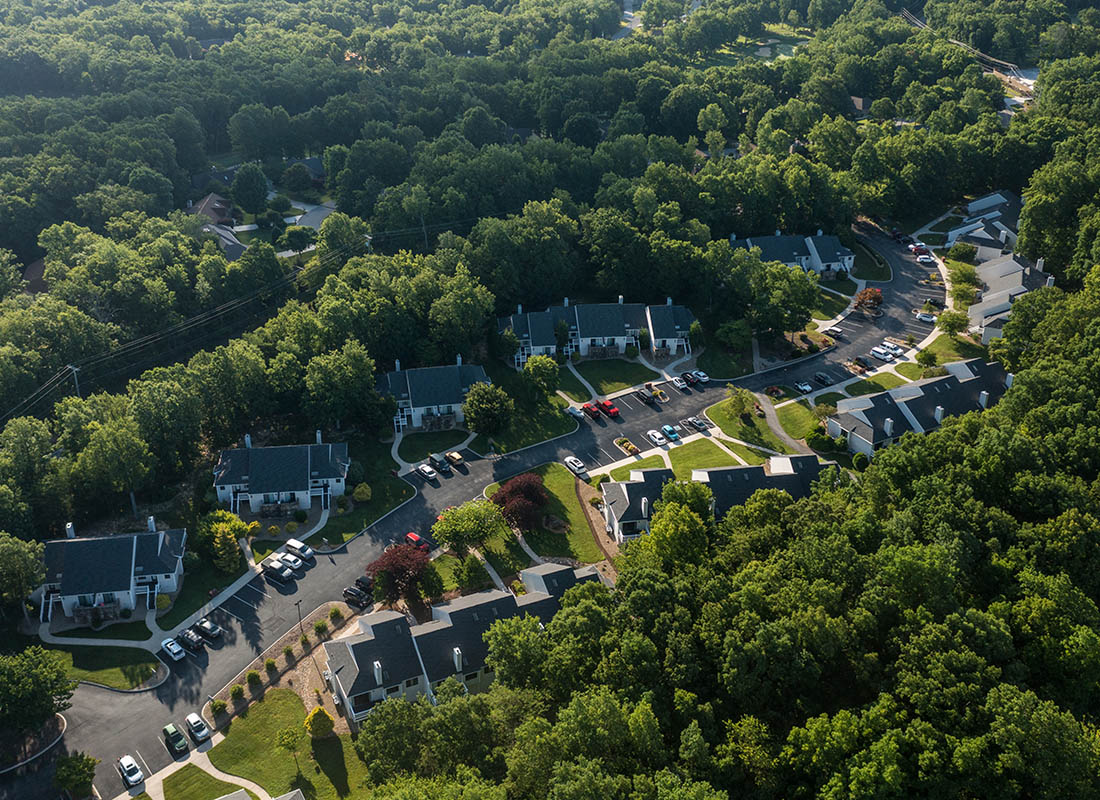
(318, 434)
(248, 440)
(70, 531)
(645, 508)
(457, 655)
(151, 524)
(397, 365)
(620, 299)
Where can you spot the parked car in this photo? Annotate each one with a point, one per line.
(439, 462)
(702, 376)
(823, 378)
(590, 411)
(924, 316)
(576, 466)
(197, 727)
(575, 412)
(210, 630)
(645, 396)
(274, 568)
(416, 540)
(174, 739)
(656, 437)
(893, 348)
(906, 239)
(922, 251)
(365, 584)
(427, 472)
(882, 354)
(860, 361)
(609, 408)
(804, 387)
(190, 641)
(697, 423)
(680, 384)
(300, 549)
(291, 561)
(355, 597)
(925, 259)
(670, 433)
(936, 302)
(455, 458)
(690, 378)
(915, 245)
(130, 771)
(835, 332)
(173, 649)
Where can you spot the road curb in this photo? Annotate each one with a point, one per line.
(784, 365)
(139, 690)
(577, 427)
(348, 541)
(42, 751)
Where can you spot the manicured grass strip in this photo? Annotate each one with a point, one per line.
(505, 555)
(416, 446)
(752, 429)
(328, 768)
(880, 383)
(720, 363)
(623, 473)
(828, 305)
(910, 370)
(136, 631)
(537, 417)
(944, 225)
(700, 454)
(447, 566)
(569, 384)
(614, 374)
(787, 394)
(934, 239)
(844, 285)
(797, 419)
(262, 548)
(869, 266)
(575, 542)
(957, 350)
(750, 455)
(198, 583)
(829, 398)
(117, 667)
(192, 783)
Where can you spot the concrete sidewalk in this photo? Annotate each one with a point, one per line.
(199, 756)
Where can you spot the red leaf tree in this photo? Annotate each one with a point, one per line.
(521, 500)
(398, 570)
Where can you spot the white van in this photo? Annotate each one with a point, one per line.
(882, 354)
(300, 549)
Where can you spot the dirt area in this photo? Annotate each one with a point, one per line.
(608, 545)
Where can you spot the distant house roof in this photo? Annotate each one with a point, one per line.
(423, 387)
(232, 247)
(670, 322)
(598, 321)
(288, 468)
(224, 177)
(829, 249)
(784, 248)
(215, 208)
(314, 164)
(627, 498)
(34, 276)
(109, 563)
(314, 217)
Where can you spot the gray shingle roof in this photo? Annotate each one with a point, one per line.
(830, 249)
(881, 407)
(732, 486)
(602, 320)
(624, 498)
(784, 248)
(108, 563)
(433, 386)
(287, 468)
(386, 640)
(670, 322)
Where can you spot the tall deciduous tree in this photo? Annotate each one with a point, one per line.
(397, 572)
(953, 323)
(468, 525)
(488, 409)
(34, 685)
(74, 773)
(542, 372)
(249, 188)
(341, 386)
(115, 460)
(21, 569)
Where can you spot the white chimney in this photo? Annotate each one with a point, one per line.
(318, 432)
(888, 427)
(1039, 262)
(458, 359)
(1050, 280)
(519, 308)
(70, 531)
(566, 302)
(668, 301)
(983, 399)
(151, 524)
(777, 233)
(1009, 378)
(397, 365)
(378, 672)
(645, 508)
(820, 232)
(248, 440)
(733, 238)
(620, 299)
(456, 654)
(939, 413)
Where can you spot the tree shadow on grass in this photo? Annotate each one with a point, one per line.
(304, 785)
(329, 755)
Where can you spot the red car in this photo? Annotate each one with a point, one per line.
(921, 251)
(416, 541)
(591, 410)
(607, 407)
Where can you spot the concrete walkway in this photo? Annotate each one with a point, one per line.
(199, 756)
(772, 418)
(497, 582)
(527, 549)
(579, 377)
(721, 446)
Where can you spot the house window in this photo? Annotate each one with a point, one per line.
(393, 690)
(411, 682)
(471, 676)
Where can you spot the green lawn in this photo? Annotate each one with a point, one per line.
(262, 548)
(755, 431)
(505, 555)
(623, 473)
(387, 492)
(934, 239)
(575, 542)
(870, 266)
(944, 225)
(828, 305)
(844, 285)
(614, 374)
(537, 417)
(910, 370)
(192, 783)
(751, 455)
(720, 363)
(447, 565)
(416, 446)
(787, 394)
(797, 419)
(198, 582)
(117, 667)
(880, 383)
(829, 398)
(961, 348)
(324, 770)
(136, 631)
(569, 384)
(700, 454)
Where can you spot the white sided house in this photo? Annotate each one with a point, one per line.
(990, 225)
(819, 253)
(286, 475)
(430, 398)
(97, 578)
(1004, 280)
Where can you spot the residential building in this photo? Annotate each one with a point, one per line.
(215, 208)
(600, 330)
(991, 222)
(874, 421)
(628, 505)
(232, 247)
(390, 658)
(820, 253)
(274, 476)
(97, 578)
(430, 398)
(1004, 280)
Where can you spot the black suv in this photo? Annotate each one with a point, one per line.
(364, 583)
(190, 641)
(355, 597)
(207, 629)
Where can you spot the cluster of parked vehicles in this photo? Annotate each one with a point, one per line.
(174, 741)
(440, 463)
(282, 567)
(192, 639)
(887, 351)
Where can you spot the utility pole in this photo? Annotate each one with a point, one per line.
(76, 379)
(298, 605)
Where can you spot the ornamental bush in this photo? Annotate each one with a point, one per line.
(236, 691)
(253, 677)
(320, 627)
(362, 493)
(269, 664)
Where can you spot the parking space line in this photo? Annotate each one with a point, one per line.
(242, 600)
(139, 755)
(622, 399)
(607, 454)
(230, 613)
(255, 589)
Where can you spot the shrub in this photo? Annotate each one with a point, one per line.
(126, 613)
(273, 530)
(253, 677)
(356, 473)
(342, 502)
(631, 351)
(291, 527)
(841, 443)
(300, 515)
(818, 441)
(303, 640)
(254, 529)
(961, 251)
(812, 347)
(335, 615)
(644, 339)
(362, 493)
(218, 706)
(288, 653)
(280, 202)
(320, 627)
(319, 723)
(860, 461)
(163, 602)
(236, 691)
(269, 664)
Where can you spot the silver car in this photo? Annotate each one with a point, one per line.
(197, 727)
(576, 466)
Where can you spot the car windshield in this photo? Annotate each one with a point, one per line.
(131, 767)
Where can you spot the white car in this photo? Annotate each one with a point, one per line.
(574, 412)
(576, 466)
(656, 437)
(680, 384)
(427, 472)
(804, 387)
(882, 354)
(924, 316)
(702, 376)
(173, 649)
(925, 260)
(197, 727)
(130, 771)
(893, 348)
(291, 560)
